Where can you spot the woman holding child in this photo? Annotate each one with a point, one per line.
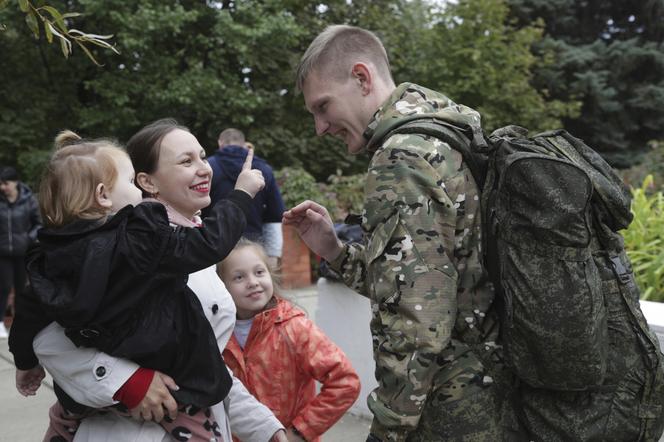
(171, 169)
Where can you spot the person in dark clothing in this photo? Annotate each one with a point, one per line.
(19, 222)
(264, 224)
(113, 272)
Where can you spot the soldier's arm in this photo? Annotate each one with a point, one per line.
(351, 266)
(413, 280)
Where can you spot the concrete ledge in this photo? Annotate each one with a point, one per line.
(344, 316)
(654, 313)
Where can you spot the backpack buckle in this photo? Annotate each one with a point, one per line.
(619, 269)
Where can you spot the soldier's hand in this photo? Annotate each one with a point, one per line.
(250, 180)
(315, 227)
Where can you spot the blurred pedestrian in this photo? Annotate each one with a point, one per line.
(19, 222)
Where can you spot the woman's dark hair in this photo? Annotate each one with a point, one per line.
(8, 174)
(144, 147)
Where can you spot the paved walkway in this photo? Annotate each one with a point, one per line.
(25, 419)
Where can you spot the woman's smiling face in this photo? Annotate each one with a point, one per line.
(183, 176)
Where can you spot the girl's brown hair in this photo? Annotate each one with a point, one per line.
(69, 183)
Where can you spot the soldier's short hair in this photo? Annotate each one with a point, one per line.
(231, 136)
(337, 48)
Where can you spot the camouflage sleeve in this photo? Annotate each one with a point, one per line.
(411, 212)
(351, 266)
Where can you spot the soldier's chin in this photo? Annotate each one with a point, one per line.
(355, 147)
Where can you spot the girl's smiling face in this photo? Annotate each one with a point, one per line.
(248, 280)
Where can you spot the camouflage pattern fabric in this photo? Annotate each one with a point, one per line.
(574, 334)
(434, 332)
(588, 366)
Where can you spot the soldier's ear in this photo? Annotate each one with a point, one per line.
(362, 75)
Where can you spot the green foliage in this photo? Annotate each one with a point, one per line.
(651, 163)
(32, 163)
(56, 24)
(478, 58)
(610, 56)
(214, 65)
(341, 194)
(644, 241)
(346, 194)
(297, 185)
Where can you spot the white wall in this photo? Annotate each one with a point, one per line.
(654, 313)
(344, 316)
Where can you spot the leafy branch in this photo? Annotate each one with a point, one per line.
(54, 24)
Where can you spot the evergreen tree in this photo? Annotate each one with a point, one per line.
(610, 55)
(214, 65)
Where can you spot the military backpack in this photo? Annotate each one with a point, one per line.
(571, 321)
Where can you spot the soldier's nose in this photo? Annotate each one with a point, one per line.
(321, 127)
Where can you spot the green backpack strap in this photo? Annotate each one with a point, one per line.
(469, 141)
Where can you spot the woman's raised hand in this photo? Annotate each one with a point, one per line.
(250, 180)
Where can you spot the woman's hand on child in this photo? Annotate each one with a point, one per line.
(250, 180)
(28, 381)
(158, 400)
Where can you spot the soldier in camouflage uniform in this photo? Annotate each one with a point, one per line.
(433, 328)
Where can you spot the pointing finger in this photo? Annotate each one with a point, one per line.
(248, 160)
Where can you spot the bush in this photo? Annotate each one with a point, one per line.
(32, 163)
(341, 194)
(347, 192)
(297, 185)
(651, 163)
(644, 240)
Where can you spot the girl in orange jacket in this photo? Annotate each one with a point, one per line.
(278, 353)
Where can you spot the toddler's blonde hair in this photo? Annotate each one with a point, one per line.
(76, 168)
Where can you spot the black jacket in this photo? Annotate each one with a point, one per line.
(19, 222)
(120, 286)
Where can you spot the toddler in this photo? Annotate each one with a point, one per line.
(113, 273)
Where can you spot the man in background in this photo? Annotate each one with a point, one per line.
(264, 225)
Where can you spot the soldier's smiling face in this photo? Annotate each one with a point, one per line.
(339, 108)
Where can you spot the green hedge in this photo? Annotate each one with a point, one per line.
(644, 240)
(342, 194)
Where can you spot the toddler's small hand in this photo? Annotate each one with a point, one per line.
(28, 381)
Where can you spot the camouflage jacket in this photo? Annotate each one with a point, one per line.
(420, 262)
